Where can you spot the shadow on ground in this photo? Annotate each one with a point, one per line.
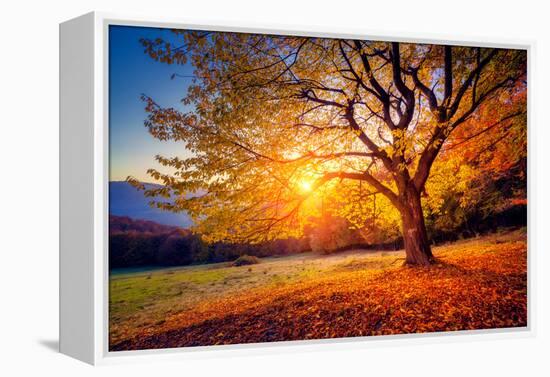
(52, 345)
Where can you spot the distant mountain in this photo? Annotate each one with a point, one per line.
(125, 200)
(125, 224)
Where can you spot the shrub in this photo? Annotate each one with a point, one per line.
(245, 260)
(330, 235)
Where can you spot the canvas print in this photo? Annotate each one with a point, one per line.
(268, 188)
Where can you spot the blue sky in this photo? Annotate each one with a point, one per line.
(131, 73)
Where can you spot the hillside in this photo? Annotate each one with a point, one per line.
(476, 284)
(143, 243)
(125, 200)
(125, 224)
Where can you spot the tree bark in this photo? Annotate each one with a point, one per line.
(415, 237)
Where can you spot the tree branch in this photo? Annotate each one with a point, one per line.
(408, 94)
(367, 177)
(468, 82)
(448, 75)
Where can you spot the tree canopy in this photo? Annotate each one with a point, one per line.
(283, 129)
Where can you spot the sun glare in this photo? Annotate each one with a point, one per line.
(305, 186)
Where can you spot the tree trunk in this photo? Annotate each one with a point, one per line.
(415, 237)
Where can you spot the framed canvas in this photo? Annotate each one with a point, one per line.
(233, 188)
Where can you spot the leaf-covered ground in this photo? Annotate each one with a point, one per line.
(476, 284)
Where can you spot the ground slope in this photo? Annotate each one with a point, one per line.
(476, 284)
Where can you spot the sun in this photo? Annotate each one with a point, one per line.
(305, 186)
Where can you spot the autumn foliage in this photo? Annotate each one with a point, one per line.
(280, 126)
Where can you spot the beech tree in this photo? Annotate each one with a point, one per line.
(277, 123)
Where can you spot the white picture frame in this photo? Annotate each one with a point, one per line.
(84, 181)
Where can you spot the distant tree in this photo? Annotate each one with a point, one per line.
(133, 249)
(278, 120)
(179, 250)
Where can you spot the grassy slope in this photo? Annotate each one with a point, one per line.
(477, 284)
